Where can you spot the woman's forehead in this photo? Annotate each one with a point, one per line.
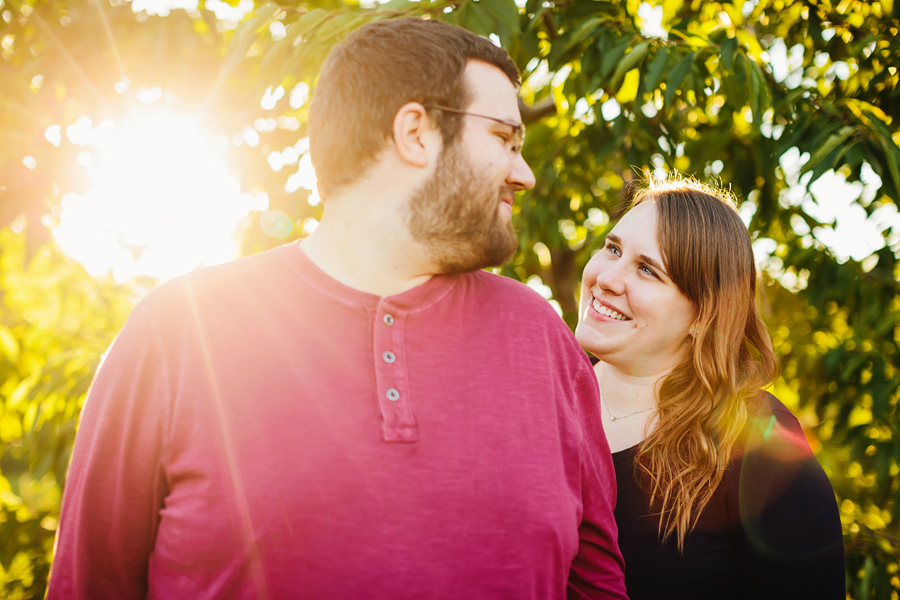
(637, 228)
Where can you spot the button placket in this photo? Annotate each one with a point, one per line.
(398, 417)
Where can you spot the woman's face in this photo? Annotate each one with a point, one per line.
(632, 315)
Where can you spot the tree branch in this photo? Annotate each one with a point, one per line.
(538, 110)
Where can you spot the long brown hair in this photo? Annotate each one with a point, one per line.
(703, 402)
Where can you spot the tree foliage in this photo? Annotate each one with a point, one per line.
(768, 97)
(55, 322)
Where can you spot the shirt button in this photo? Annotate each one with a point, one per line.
(393, 395)
(388, 320)
(388, 357)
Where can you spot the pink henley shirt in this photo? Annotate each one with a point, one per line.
(259, 430)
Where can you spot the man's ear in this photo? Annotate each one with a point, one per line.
(414, 134)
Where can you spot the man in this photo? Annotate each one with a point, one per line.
(365, 414)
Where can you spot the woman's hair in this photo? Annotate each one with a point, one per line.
(703, 402)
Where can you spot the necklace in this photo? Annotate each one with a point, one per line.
(609, 412)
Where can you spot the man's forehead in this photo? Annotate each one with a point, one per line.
(489, 89)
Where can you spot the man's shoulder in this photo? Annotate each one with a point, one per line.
(505, 288)
(215, 285)
(523, 314)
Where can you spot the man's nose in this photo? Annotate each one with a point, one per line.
(521, 177)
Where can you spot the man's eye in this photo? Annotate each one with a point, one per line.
(613, 248)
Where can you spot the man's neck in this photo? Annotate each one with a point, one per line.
(363, 242)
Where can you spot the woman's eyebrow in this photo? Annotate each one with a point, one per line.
(653, 264)
(650, 261)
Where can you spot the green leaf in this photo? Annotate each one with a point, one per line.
(9, 343)
(609, 59)
(400, 5)
(581, 10)
(825, 149)
(340, 24)
(726, 55)
(892, 155)
(754, 91)
(505, 11)
(562, 46)
(655, 70)
(677, 76)
(21, 390)
(307, 23)
(629, 62)
(262, 17)
(249, 31)
(476, 19)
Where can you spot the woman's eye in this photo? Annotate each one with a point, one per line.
(647, 270)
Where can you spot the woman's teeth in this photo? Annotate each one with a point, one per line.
(607, 312)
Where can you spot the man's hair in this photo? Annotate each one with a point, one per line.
(375, 71)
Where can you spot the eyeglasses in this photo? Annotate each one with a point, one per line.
(518, 128)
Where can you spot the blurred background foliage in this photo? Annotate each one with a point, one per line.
(793, 104)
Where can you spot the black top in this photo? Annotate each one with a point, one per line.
(771, 530)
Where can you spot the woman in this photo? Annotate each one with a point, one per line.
(719, 495)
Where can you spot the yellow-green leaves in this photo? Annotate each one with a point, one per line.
(628, 62)
(676, 77)
(833, 141)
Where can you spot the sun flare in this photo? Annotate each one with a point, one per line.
(162, 201)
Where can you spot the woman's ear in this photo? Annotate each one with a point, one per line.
(415, 134)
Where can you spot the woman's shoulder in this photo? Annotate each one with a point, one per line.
(774, 461)
(771, 422)
(787, 528)
(765, 403)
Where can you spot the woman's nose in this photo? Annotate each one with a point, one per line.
(611, 278)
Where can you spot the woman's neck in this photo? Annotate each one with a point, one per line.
(627, 392)
(629, 403)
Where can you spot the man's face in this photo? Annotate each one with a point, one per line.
(462, 214)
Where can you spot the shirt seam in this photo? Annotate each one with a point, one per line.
(364, 296)
(437, 297)
(282, 252)
(582, 442)
(167, 433)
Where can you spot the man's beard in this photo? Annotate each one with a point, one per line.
(455, 215)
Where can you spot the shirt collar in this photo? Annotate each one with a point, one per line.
(414, 299)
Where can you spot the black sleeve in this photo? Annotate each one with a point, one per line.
(787, 530)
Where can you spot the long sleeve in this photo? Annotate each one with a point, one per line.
(116, 483)
(788, 540)
(598, 569)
